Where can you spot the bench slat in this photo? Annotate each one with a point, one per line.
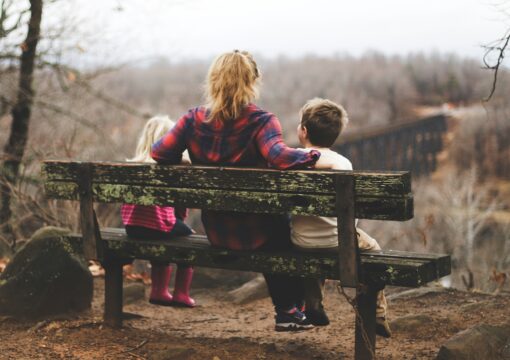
(378, 266)
(391, 208)
(371, 184)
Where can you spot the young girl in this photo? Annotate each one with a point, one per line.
(157, 223)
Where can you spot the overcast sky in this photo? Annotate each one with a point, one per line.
(183, 29)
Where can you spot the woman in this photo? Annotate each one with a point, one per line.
(232, 131)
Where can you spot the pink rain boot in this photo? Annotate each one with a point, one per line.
(160, 276)
(183, 279)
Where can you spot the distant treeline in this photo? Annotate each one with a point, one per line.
(375, 89)
(99, 114)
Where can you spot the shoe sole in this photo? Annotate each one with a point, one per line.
(160, 302)
(292, 327)
(320, 323)
(181, 304)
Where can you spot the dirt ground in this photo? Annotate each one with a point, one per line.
(220, 330)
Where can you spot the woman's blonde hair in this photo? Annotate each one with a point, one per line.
(232, 83)
(153, 130)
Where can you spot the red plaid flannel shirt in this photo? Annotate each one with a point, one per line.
(253, 140)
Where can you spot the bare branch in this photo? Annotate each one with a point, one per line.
(83, 80)
(5, 16)
(81, 120)
(499, 47)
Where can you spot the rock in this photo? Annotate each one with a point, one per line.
(480, 342)
(207, 278)
(133, 292)
(416, 293)
(46, 276)
(475, 307)
(254, 289)
(410, 323)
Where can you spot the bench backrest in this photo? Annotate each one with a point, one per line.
(343, 194)
(378, 195)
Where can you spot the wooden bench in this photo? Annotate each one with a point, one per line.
(342, 194)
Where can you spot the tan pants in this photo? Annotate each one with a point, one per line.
(314, 288)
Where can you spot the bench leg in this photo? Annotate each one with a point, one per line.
(366, 301)
(113, 293)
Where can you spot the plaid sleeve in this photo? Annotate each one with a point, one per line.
(279, 155)
(169, 149)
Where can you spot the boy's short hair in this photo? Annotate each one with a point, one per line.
(324, 121)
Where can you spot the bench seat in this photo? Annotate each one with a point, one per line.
(387, 267)
(346, 195)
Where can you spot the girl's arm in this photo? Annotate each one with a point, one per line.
(169, 149)
(181, 213)
(279, 155)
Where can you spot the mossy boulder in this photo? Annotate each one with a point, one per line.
(47, 276)
(483, 341)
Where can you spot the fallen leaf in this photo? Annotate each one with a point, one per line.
(3, 263)
(71, 76)
(499, 278)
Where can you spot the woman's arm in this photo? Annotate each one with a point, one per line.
(169, 149)
(279, 155)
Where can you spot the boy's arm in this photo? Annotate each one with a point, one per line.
(333, 162)
(324, 163)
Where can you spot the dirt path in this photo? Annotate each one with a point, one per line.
(218, 329)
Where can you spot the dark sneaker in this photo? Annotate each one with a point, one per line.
(317, 317)
(294, 320)
(382, 327)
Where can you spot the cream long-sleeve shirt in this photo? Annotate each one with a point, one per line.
(318, 231)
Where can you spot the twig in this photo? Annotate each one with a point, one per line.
(145, 341)
(83, 121)
(88, 324)
(201, 320)
(38, 326)
(136, 356)
(495, 68)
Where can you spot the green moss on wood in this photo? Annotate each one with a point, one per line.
(400, 269)
(243, 201)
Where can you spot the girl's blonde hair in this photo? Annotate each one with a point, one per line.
(232, 83)
(153, 130)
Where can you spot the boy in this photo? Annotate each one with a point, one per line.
(321, 123)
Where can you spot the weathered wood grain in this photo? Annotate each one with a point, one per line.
(113, 293)
(377, 267)
(348, 251)
(371, 184)
(391, 208)
(92, 248)
(366, 302)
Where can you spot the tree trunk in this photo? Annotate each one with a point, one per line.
(15, 147)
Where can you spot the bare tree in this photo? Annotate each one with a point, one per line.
(16, 144)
